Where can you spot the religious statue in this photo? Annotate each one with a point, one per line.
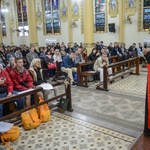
(113, 5)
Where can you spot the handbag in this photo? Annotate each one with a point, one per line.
(51, 66)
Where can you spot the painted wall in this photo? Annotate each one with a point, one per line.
(131, 34)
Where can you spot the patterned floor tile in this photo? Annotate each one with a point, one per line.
(67, 133)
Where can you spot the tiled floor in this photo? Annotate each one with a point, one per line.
(100, 120)
(67, 133)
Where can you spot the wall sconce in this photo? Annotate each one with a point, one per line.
(129, 19)
(74, 24)
(38, 27)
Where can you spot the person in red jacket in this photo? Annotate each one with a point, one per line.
(6, 89)
(11, 65)
(21, 78)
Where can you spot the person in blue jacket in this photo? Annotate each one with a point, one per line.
(69, 66)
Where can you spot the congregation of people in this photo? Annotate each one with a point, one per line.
(21, 67)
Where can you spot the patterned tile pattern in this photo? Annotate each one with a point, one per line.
(67, 133)
(120, 109)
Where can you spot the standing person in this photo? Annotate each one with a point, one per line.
(21, 78)
(69, 66)
(100, 63)
(147, 102)
(31, 55)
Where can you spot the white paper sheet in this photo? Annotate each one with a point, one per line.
(46, 86)
(4, 126)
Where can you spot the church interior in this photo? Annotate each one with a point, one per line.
(107, 110)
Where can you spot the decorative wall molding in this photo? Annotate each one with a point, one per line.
(113, 8)
(64, 12)
(139, 16)
(75, 11)
(38, 16)
(82, 18)
(130, 7)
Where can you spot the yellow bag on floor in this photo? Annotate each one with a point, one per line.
(44, 112)
(30, 119)
(11, 135)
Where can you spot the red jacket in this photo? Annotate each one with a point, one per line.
(8, 82)
(8, 69)
(24, 77)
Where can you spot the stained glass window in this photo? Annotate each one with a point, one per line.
(51, 16)
(146, 14)
(22, 18)
(99, 15)
(2, 18)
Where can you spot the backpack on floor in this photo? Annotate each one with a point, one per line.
(11, 135)
(44, 112)
(63, 103)
(30, 119)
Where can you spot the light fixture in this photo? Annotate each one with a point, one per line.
(129, 19)
(74, 24)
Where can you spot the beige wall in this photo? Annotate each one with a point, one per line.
(131, 34)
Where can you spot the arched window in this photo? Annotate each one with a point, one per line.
(22, 18)
(146, 14)
(100, 13)
(51, 17)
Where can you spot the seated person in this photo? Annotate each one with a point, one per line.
(51, 64)
(78, 56)
(117, 51)
(57, 56)
(21, 78)
(6, 89)
(69, 66)
(11, 65)
(132, 50)
(37, 75)
(124, 51)
(93, 55)
(100, 63)
(63, 53)
(18, 53)
(31, 55)
(84, 55)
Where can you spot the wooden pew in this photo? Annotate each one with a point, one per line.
(83, 75)
(67, 93)
(132, 62)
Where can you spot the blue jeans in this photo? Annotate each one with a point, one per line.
(20, 102)
(1, 105)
